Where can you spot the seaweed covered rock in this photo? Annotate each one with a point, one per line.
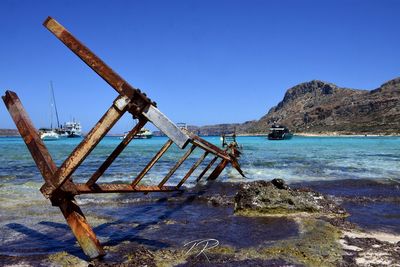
(276, 197)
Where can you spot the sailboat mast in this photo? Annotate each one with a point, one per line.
(55, 105)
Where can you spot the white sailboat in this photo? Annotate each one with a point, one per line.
(50, 134)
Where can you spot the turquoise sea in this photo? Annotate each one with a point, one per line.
(24, 211)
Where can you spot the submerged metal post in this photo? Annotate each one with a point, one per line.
(60, 188)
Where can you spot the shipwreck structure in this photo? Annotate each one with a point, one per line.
(59, 186)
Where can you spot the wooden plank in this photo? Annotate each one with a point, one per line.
(124, 143)
(121, 188)
(192, 169)
(152, 162)
(166, 126)
(177, 165)
(71, 211)
(113, 114)
(207, 168)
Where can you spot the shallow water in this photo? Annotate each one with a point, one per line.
(27, 218)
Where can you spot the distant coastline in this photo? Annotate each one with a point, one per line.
(15, 133)
(9, 133)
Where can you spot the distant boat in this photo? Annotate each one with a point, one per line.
(47, 134)
(143, 134)
(70, 129)
(279, 132)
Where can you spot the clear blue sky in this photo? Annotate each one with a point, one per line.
(203, 62)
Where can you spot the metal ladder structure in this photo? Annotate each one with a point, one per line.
(59, 186)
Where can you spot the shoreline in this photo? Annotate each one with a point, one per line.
(159, 237)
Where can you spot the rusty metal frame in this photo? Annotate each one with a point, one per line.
(59, 186)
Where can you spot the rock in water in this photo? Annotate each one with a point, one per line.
(276, 197)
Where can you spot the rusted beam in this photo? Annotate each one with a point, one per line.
(152, 162)
(141, 104)
(207, 168)
(72, 213)
(121, 188)
(124, 143)
(177, 165)
(200, 142)
(113, 114)
(194, 167)
(94, 62)
(217, 171)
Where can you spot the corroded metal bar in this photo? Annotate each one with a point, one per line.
(207, 168)
(152, 162)
(121, 188)
(113, 114)
(200, 142)
(94, 62)
(217, 171)
(124, 143)
(177, 165)
(141, 104)
(194, 167)
(71, 211)
(217, 151)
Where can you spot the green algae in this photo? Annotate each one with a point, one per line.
(317, 245)
(63, 259)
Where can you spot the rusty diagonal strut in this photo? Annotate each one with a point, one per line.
(60, 188)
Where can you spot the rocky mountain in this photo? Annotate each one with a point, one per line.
(321, 107)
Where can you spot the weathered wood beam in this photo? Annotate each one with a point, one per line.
(71, 211)
(177, 165)
(124, 143)
(152, 162)
(113, 114)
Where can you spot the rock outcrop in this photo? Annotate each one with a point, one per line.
(276, 197)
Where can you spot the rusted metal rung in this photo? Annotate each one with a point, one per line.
(113, 114)
(207, 168)
(124, 143)
(121, 188)
(177, 165)
(192, 169)
(152, 162)
(217, 171)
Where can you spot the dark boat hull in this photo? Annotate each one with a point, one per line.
(285, 136)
